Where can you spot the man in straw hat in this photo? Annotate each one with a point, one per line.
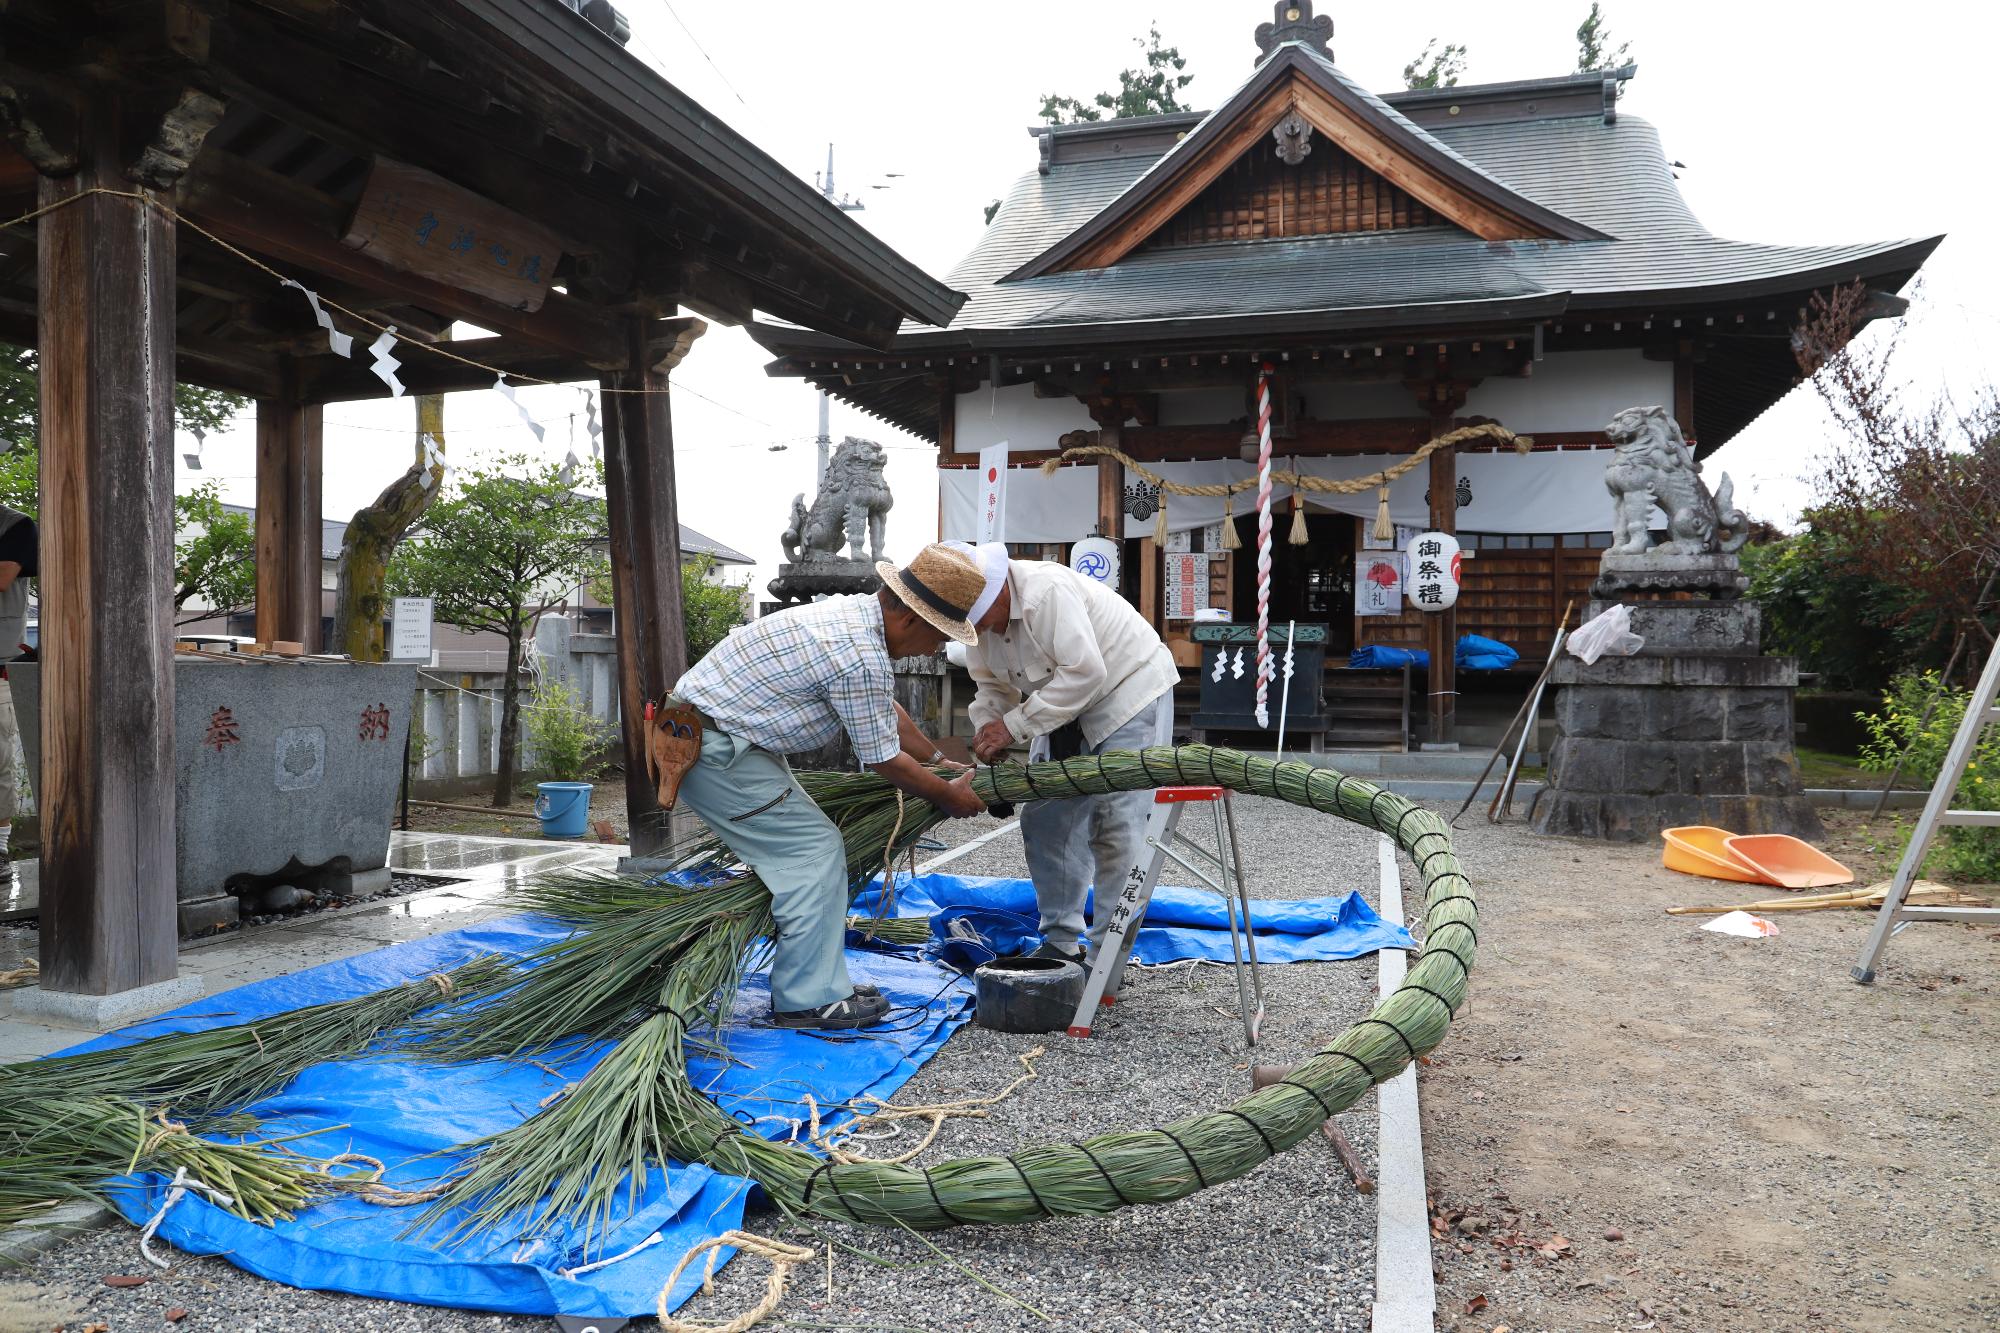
(1065, 664)
(791, 682)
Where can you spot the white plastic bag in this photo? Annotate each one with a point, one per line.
(1608, 635)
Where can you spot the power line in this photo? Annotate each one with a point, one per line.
(704, 55)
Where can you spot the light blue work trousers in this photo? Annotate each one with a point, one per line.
(1070, 842)
(750, 799)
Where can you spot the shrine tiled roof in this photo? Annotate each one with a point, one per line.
(1590, 187)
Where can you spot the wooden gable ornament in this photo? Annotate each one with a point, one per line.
(1371, 170)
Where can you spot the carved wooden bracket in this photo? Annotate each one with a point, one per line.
(42, 129)
(1294, 136)
(1115, 409)
(1440, 395)
(177, 140)
(672, 341)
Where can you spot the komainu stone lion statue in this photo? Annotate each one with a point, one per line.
(1654, 466)
(852, 506)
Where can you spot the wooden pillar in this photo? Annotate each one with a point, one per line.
(289, 435)
(645, 566)
(1441, 629)
(106, 275)
(1684, 358)
(1110, 488)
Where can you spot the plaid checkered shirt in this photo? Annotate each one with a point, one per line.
(794, 679)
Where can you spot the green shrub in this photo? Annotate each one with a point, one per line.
(567, 742)
(1962, 852)
(1852, 630)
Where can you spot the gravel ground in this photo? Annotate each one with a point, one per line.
(1290, 1246)
(1637, 1124)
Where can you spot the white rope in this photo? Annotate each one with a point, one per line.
(176, 1191)
(647, 1243)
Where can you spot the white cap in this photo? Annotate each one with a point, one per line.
(991, 557)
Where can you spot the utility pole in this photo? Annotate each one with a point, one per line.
(846, 205)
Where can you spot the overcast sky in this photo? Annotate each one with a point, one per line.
(1804, 123)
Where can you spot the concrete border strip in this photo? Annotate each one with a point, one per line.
(1405, 1293)
(965, 848)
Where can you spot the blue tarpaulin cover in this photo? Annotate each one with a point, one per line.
(1473, 652)
(400, 1111)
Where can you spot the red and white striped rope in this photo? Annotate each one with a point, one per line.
(1264, 546)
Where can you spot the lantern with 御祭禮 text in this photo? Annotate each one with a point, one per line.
(1430, 580)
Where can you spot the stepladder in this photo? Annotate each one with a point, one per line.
(1982, 711)
(1216, 866)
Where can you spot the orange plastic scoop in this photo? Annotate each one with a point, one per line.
(1787, 862)
(1697, 849)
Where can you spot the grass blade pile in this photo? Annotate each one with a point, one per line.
(684, 949)
(654, 971)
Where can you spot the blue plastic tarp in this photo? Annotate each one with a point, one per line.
(399, 1110)
(1473, 652)
(1180, 923)
(410, 1114)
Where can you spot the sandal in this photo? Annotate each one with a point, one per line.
(856, 1011)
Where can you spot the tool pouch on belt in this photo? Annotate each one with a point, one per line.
(673, 743)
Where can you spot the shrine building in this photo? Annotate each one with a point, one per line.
(1407, 263)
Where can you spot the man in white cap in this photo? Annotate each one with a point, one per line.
(1067, 666)
(790, 682)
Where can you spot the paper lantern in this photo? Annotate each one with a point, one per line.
(1433, 568)
(1096, 558)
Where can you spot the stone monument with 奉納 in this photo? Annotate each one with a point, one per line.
(1696, 726)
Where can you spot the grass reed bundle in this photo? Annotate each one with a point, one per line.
(70, 1123)
(56, 1149)
(636, 1106)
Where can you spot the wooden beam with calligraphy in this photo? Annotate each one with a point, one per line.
(414, 221)
(300, 228)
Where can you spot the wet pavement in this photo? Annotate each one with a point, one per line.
(472, 877)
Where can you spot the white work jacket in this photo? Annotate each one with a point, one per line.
(1072, 650)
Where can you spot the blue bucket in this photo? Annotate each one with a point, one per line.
(563, 808)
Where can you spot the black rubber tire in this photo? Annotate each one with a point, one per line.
(1027, 994)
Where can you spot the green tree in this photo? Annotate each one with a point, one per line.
(1593, 44)
(1850, 628)
(1435, 66)
(709, 610)
(1152, 89)
(210, 409)
(214, 550)
(215, 556)
(512, 539)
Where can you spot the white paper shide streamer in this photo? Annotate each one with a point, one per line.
(341, 343)
(386, 365)
(507, 390)
(436, 469)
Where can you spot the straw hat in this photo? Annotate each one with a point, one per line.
(942, 586)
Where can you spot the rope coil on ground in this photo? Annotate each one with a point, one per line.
(782, 1256)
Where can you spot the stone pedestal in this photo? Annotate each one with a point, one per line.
(1696, 728)
(823, 576)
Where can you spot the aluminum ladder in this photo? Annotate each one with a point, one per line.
(1219, 869)
(1980, 713)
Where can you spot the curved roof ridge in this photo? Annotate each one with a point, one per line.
(1452, 168)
